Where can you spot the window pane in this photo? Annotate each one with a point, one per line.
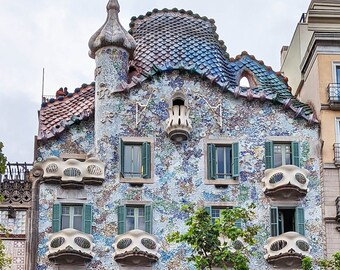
(132, 160)
(65, 210)
(288, 160)
(277, 155)
(223, 161)
(65, 222)
(141, 223)
(78, 210)
(130, 223)
(78, 223)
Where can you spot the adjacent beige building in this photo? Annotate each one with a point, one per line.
(312, 64)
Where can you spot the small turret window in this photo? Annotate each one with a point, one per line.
(244, 82)
(247, 79)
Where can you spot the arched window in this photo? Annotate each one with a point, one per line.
(247, 79)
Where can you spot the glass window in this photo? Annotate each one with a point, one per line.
(72, 217)
(282, 155)
(337, 74)
(216, 213)
(135, 218)
(223, 161)
(132, 160)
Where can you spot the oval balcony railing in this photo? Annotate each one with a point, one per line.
(70, 246)
(287, 182)
(72, 173)
(287, 250)
(136, 247)
(178, 125)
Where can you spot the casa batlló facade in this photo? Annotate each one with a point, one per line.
(169, 122)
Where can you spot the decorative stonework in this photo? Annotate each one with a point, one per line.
(72, 173)
(70, 246)
(287, 250)
(136, 247)
(286, 182)
(16, 191)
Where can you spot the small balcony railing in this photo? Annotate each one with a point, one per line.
(136, 247)
(336, 148)
(70, 246)
(287, 250)
(287, 182)
(178, 125)
(72, 173)
(334, 96)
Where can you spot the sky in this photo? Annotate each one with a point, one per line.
(53, 35)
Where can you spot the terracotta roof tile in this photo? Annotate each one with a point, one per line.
(56, 115)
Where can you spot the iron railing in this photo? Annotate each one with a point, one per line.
(336, 147)
(334, 92)
(16, 171)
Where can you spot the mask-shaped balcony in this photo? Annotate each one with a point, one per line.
(178, 125)
(287, 182)
(136, 247)
(72, 173)
(286, 250)
(70, 246)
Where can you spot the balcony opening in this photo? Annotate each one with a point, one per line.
(178, 125)
(286, 220)
(178, 102)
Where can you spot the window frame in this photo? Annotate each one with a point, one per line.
(222, 206)
(122, 215)
(87, 216)
(146, 160)
(269, 151)
(210, 170)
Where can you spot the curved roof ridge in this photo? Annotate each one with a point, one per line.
(135, 19)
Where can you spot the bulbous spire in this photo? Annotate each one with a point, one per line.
(111, 33)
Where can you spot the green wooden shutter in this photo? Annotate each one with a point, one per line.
(208, 209)
(146, 160)
(238, 222)
(121, 219)
(148, 218)
(122, 154)
(211, 161)
(295, 154)
(269, 155)
(300, 220)
(235, 166)
(87, 218)
(56, 217)
(274, 221)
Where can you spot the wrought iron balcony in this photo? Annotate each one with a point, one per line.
(178, 125)
(287, 250)
(15, 184)
(70, 246)
(336, 148)
(287, 182)
(136, 247)
(72, 173)
(334, 96)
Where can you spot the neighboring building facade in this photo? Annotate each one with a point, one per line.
(16, 214)
(167, 123)
(312, 64)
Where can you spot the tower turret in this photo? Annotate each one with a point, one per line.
(111, 47)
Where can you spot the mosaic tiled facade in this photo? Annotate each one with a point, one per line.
(220, 110)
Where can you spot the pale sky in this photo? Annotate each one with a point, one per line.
(54, 35)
